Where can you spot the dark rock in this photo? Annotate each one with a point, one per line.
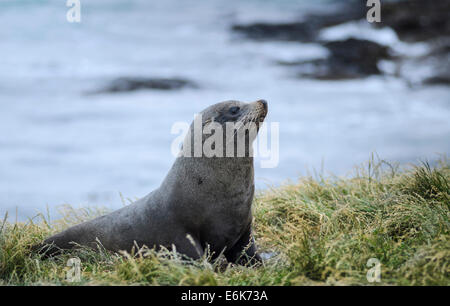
(443, 79)
(136, 83)
(417, 20)
(439, 59)
(412, 20)
(353, 49)
(295, 31)
(305, 30)
(348, 59)
(329, 69)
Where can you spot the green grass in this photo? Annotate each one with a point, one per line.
(322, 230)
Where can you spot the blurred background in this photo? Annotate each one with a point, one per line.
(87, 108)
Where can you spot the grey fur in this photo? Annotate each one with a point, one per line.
(208, 199)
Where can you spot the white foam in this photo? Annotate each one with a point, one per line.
(363, 30)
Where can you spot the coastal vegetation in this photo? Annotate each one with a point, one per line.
(317, 231)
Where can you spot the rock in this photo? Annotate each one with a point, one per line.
(417, 20)
(443, 79)
(326, 69)
(412, 20)
(295, 31)
(360, 50)
(124, 84)
(439, 61)
(348, 59)
(305, 30)
(268, 255)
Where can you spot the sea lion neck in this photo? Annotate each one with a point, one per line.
(211, 167)
(216, 176)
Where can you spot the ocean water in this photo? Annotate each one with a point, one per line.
(60, 145)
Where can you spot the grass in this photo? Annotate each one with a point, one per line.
(322, 231)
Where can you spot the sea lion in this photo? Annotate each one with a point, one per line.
(203, 203)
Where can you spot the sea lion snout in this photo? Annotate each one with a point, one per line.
(264, 104)
(261, 108)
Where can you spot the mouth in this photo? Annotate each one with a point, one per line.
(258, 119)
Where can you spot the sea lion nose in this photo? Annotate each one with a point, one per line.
(264, 104)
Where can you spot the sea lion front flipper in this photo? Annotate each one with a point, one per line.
(244, 251)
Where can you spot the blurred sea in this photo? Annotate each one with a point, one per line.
(59, 145)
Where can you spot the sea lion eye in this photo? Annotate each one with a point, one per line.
(234, 110)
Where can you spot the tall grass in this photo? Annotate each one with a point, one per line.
(318, 231)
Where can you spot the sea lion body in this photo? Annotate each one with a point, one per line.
(204, 202)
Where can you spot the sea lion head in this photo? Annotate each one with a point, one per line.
(225, 129)
(235, 111)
